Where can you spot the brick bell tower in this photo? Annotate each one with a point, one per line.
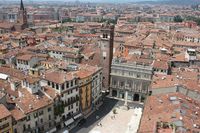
(22, 18)
(106, 45)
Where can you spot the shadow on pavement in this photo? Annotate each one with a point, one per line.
(92, 120)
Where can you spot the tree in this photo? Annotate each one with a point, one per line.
(193, 18)
(178, 18)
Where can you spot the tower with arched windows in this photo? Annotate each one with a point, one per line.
(106, 45)
(22, 18)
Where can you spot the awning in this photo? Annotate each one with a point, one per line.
(3, 76)
(94, 131)
(52, 130)
(69, 121)
(77, 116)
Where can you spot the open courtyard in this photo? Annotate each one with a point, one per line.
(123, 121)
(105, 120)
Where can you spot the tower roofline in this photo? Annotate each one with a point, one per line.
(21, 5)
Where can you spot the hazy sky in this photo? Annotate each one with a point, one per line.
(95, 0)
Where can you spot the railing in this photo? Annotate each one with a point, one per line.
(72, 101)
(39, 128)
(133, 65)
(128, 76)
(131, 89)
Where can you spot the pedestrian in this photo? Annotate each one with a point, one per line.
(100, 124)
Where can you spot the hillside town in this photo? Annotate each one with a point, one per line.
(99, 68)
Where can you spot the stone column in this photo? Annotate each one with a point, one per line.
(126, 107)
(140, 98)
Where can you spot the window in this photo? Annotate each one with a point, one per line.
(122, 72)
(130, 73)
(68, 100)
(122, 84)
(36, 124)
(35, 115)
(57, 86)
(48, 83)
(67, 85)
(24, 127)
(41, 120)
(49, 109)
(42, 128)
(49, 117)
(41, 113)
(28, 118)
(63, 87)
(114, 82)
(138, 76)
(49, 124)
(4, 126)
(72, 83)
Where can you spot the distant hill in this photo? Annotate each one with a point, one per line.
(182, 2)
(172, 2)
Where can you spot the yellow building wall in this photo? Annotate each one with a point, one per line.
(7, 129)
(86, 89)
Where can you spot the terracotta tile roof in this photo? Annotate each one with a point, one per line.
(50, 92)
(63, 49)
(4, 112)
(17, 114)
(86, 35)
(95, 51)
(188, 79)
(12, 72)
(31, 79)
(179, 57)
(160, 65)
(59, 77)
(164, 81)
(5, 25)
(28, 102)
(5, 87)
(181, 111)
(25, 57)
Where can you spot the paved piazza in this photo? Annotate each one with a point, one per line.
(125, 121)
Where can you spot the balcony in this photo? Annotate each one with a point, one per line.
(74, 100)
(131, 89)
(131, 77)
